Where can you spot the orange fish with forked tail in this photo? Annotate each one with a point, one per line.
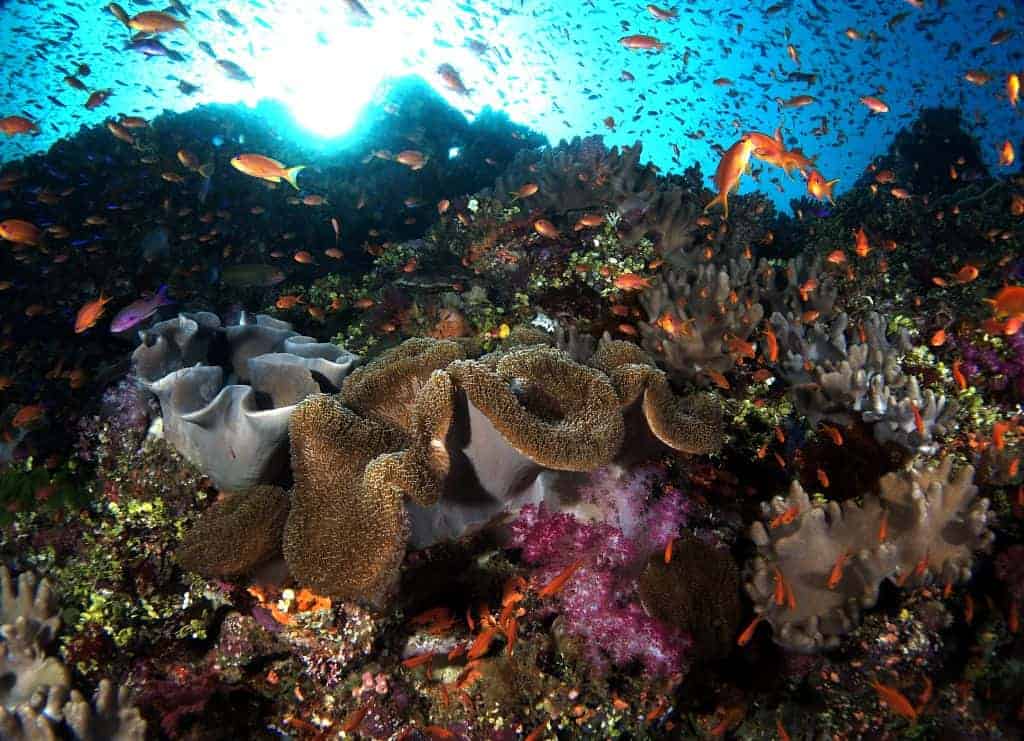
(820, 188)
(90, 313)
(258, 166)
(730, 169)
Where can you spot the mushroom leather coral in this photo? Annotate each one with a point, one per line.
(924, 527)
(425, 442)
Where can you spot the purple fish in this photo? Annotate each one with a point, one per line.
(139, 311)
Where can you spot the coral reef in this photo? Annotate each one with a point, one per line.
(465, 441)
(818, 566)
(838, 372)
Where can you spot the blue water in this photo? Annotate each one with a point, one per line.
(556, 66)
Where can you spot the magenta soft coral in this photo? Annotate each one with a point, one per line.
(598, 604)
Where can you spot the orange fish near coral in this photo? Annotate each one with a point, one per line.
(631, 282)
(730, 169)
(258, 166)
(820, 188)
(90, 313)
(1008, 302)
(895, 700)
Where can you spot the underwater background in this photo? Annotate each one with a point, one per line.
(511, 370)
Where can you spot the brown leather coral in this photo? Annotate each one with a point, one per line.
(345, 534)
(237, 533)
(386, 388)
(691, 425)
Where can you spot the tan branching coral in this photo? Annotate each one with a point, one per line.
(213, 547)
(818, 566)
(34, 687)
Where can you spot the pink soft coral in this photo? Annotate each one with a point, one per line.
(598, 603)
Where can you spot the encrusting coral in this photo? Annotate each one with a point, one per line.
(818, 566)
(424, 445)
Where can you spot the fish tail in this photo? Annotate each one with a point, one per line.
(722, 198)
(292, 173)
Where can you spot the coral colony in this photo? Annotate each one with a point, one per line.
(554, 452)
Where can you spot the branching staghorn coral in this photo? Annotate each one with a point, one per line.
(817, 566)
(838, 373)
(424, 445)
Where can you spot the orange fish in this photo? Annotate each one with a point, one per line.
(876, 105)
(451, 79)
(1013, 88)
(155, 21)
(1008, 302)
(938, 339)
(718, 379)
(661, 13)
(773, 344)
(12, 125)
(258, 166)
(836, 257)
(748, 632)
(20, 232)
(730, 169)
(836, 575)
(786, 517)
(90, 313)
(631, 282)
(525, 190)
(798, 101)
(833, 433)
(958, 375)
(766, 146)
(545, 228)
(895, 700)
(820, 188)
(1006, 154)
(883, 527)
(977, 77)
(556, 584)
(641, 41)
(27, 415)
(965, 274)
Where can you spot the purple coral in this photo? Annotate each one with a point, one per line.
(1004, 370)
(598, 604)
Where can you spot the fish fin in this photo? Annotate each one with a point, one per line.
(722, 198)
(292, 173)
(778, 134)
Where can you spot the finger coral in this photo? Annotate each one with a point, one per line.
(818, 566)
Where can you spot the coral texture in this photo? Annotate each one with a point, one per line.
(818, 566)
(231, 420)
